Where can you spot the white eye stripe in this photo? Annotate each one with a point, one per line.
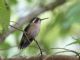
(34, 20)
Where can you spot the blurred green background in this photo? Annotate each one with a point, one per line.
(60, 30)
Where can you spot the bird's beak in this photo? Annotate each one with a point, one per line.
(43, 18)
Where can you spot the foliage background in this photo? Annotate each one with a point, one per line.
(61, 29)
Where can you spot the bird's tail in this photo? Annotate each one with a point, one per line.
(24, 43)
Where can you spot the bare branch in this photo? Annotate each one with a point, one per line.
(53, 57)
(39, 49)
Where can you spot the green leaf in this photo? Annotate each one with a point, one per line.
(4, 16)
(73, 14)
(4, 46)
(29, 1)
(12, 2)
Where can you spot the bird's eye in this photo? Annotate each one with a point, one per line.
(36, 20)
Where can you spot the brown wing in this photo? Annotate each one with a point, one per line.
(26, 40)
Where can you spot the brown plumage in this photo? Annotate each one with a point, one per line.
(30, 32)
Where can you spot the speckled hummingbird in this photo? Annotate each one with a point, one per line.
(30, 32)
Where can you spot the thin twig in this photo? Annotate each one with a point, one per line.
(27, 37)
(16, 28)
(61, 52)
(39, 49)
(21, 31)
(68, 50)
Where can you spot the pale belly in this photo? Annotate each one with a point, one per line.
(33, 31)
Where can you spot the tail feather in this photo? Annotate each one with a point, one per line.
(24, 43)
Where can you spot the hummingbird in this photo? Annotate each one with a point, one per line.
(30, 32)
